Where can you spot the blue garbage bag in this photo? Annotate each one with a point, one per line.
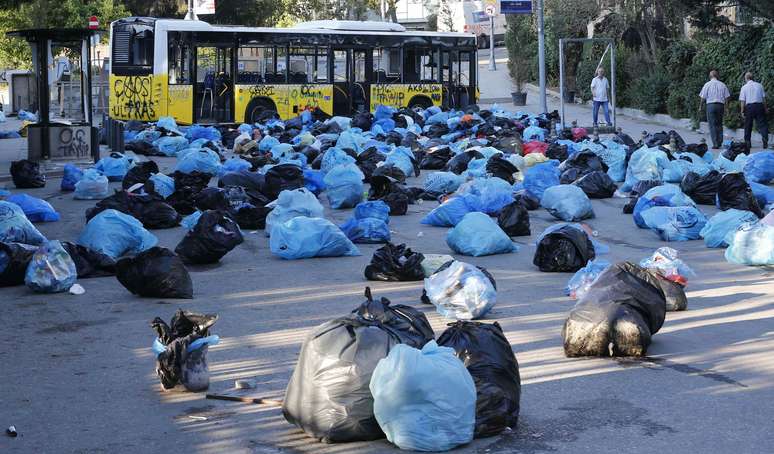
(71, 176)
(244, 128)
(442, 182)
(9, 134)
(759, 167)
(764, 194)
(351, 139)
(725, 165)
(202, 160)
(645, 164)
(36, 210)
(92, 186)
(534, 133)
(676, 170)
(303, 237)
(477, 234)
(476, 169)
(203, 132)
(147, 135)
(488, 195)
(171, 145)
(190, 221)
(386, 125)
(335, 156)
(369, 223)
(402, 158)
(540, 177)
(115, 166)
(114, 233)
(267, 143)
(751, 244)
(666, 195)
(234, 164)
(376, 209)
(724, 222)
(51, 269)
(313, 181)
(292, 203)
(450, 212)
(343, 122)
(437, 118)
(167, 123)
(424, 400)
(580, 282)
(381, 112)
(27, 116)
(344, 186)
(567, 202)
(163, 185)
(15, 227)
(613, 154)
(280, 150)
(680, 223)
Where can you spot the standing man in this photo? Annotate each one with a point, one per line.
(599, 88)
(753, 100)
(715, 93)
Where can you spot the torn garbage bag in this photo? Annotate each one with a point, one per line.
(424, 400)
(567, 202)
(751, 244)
(681, 223)
(155, 273)
(15, 227)
(720, 225)
(114, 234)
(735, 192)
(618, 315)
(213, 236)
(488, 356)
(395, 263)
(14, 260)
(477, 234)
(563, 248)
(461, 291)
(181, 349)
(26, 174)
(36, 210)
(303, 237)
(328, 395)
(51, 270)
(514, 220)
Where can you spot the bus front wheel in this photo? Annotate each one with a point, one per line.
(420, 101)
(256, 109)
(483, 42)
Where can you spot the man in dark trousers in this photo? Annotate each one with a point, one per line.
(715, 93)
(753, 100)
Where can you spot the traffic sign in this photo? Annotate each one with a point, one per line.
(516, 6)
(204, 6)
(490, 10)
(93, 23)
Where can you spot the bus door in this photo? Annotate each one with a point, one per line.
(363, 76)
(214, 87)
(341, 67)
(180, 89)
(456, 78)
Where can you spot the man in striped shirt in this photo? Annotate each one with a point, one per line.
(715, 93)
(754, 109)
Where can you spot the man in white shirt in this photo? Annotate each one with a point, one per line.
(715, 93)
(754, 109)
(599, 87)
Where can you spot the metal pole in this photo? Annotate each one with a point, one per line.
(612, 78)
(191, 14)
(492, 64)
(561, 78)
(542, 57)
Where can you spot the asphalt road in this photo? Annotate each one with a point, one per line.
(78, 375)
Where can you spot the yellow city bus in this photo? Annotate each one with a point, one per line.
(201, 73)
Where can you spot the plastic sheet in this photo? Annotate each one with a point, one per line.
(15, 227)
(424, 400)
(461, 291)
(567, 202)
(303, 237)
(477, 235)
(114, 234)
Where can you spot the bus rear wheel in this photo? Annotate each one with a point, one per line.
(421, 102)
(256, 109)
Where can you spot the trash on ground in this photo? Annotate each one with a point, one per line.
(461, 291)
(395, 263)
(181, 349)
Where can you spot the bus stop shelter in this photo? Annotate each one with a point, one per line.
(61, 138)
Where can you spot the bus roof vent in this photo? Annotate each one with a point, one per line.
(121, 38)
(351, 25)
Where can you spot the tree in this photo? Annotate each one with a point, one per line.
(445, 16)
(521, 43)
(567, 19)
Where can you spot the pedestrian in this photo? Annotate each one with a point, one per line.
(753, 100)
(599, 88)
(715, 93)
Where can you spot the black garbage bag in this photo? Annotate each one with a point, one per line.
(489, 358)
(509, 143)
(624, 139)
(459, 163)
(735, 192)
(212, 199)
(579, 165)
(557, 151)
(150, 209)
(367, 162)
(436, 158)
(26, 174)
(328, 395)
(362, 120)
(88, 262)
(282, 177)
(142, 147)
(514, 219)
(214, 235)
(597, 185)
(187, 186)
(155, 273)
(699, 149)
(618, 315)
(390, 191)
(395, 263)
(500, 167)
(663, 138)
(250, 216)
(701, 189)
(251, 181)
(139, 174)
(14, 259)
(390, 171)
(639, 189)
(735, 149)
(566, 249)
(185, 327)
(527, 200)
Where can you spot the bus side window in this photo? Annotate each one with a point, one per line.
(321, 65)
(253, 64)
(339, 66)
(464, 71)
(280, 74)
(411, 72)
(301, 64)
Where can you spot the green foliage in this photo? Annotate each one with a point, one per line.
(649, 93)
(522, 49)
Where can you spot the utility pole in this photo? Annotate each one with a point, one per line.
(191, 14)
(492, 64)
(542, 56)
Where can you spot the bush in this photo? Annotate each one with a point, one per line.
(649, 93)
